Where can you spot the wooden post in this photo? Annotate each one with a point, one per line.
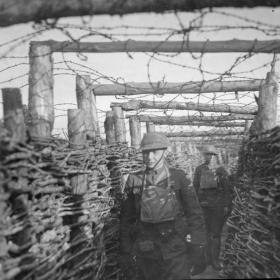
(267, 114)
(248, 124)
(150, 127)
(120, 131)
(13, 114)
(135, 132)
(109, 127)
(41, 91)
(86, 101)
(77, 138)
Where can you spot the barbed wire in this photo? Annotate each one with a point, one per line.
(198, 24)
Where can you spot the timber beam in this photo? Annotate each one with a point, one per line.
(208, 139)
(177, 88)
(38, 10)
(184, 120)
(246, 46)
(213, 124)
(203, 133)
(173, 105)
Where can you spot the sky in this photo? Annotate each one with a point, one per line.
(138, 67)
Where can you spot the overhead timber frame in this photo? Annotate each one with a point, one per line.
(41, 79)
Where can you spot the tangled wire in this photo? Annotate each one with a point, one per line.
(49, 232)
(253, 244)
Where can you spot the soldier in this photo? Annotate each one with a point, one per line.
(212, 187)
(159, 215)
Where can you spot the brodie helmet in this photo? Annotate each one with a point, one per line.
(154, 141)
(209, 150)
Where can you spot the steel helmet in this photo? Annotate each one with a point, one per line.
(209, 150)
(154, 141)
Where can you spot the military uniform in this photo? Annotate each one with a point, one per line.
(160, 248)
(214, 195)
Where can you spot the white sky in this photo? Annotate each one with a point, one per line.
(134, 68)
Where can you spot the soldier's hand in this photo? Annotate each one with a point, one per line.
(199, 261)
(127, 264)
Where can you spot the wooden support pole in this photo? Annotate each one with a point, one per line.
(173, 105)
(208, 124)
(150, 127)
(120, 131)
(203, 133)
(208, 139)
(31, 10)
(109, 127)
(77, 139)
(135, 132)
(255, 46)
(86, 101)
(184, 120)
(248, 124)
(76, 128)
(177, 88)
(13, 114)
(267, 115)
(41, 104)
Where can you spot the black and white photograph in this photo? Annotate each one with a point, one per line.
(139, 139)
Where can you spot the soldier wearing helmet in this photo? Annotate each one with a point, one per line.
(212, 186)
(159, 216)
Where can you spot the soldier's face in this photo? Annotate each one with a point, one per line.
(153, 159)
(208, 157)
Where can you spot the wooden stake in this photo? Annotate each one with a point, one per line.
(77, 138)
(86, 101)
(41, 105)
(76, 128)
(267, 115)
(109, 127)
(150, 127)
(248, 124)
(135, 132)
(120, 131)
(13, 114)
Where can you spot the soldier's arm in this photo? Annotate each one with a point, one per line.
(193, 212)
(127, 217)
(225, 185)
(196, 179)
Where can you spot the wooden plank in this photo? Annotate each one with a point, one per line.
(177, 88)
(194, 106)
(244, 46)
(203, 133)
(184, 120)
(38, 10)
(41, 82)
